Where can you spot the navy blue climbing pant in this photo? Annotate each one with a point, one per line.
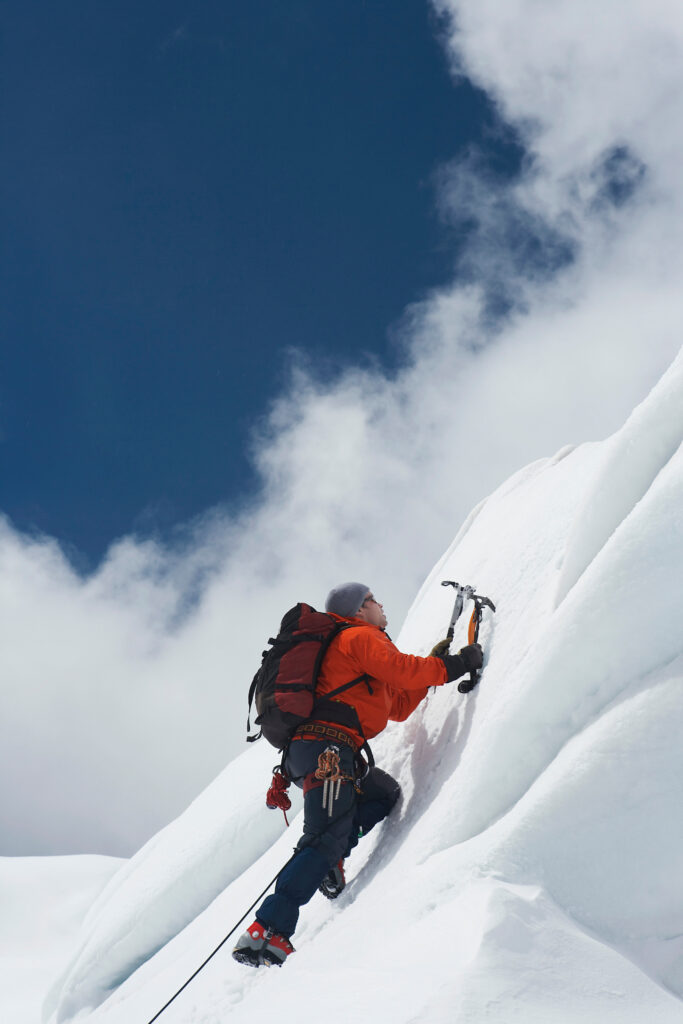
(326, 837)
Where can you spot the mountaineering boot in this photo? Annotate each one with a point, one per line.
(334, 881)
(259, 945)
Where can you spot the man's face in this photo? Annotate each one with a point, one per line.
(372, 611)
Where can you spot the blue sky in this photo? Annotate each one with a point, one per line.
(191, 190)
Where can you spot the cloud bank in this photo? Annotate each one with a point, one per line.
(123, 693)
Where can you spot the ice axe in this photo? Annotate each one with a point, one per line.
(480, 602)
(460, 594)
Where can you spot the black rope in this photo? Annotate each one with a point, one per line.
(222, 943)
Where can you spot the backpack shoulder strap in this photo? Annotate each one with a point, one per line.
(363, 678)
(252, 689)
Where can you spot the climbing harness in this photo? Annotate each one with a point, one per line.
(328, 771)
(480, 602)
(316, 730)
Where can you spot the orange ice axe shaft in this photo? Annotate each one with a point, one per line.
(473, 632)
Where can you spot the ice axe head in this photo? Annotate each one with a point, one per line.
(479, 603)
(456, 610)
(460, 594)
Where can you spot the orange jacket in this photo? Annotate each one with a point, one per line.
(399, 681)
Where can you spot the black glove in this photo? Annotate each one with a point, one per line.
(468, 659)
(473, 656)
(455, 666)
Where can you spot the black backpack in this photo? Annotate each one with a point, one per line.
(284, 686)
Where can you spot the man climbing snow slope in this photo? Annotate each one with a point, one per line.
(337, 813)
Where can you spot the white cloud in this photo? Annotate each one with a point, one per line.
(125, 692)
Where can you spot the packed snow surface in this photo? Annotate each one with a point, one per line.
(533, 869)
(43, 901)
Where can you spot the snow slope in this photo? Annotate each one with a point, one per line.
(533, 870)
(43, 901)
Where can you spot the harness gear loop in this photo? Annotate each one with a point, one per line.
(277, 794)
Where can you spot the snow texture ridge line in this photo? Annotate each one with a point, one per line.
(620, 639)
(615, 879)
(633, 457)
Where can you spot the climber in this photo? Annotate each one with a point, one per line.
(345, 796)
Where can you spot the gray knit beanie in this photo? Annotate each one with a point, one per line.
(346, 599)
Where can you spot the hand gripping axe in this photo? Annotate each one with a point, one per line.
(461, 595)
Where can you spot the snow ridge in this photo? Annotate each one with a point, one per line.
(633, 458)
(534, 866)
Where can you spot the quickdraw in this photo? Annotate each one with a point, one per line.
(330, 774)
